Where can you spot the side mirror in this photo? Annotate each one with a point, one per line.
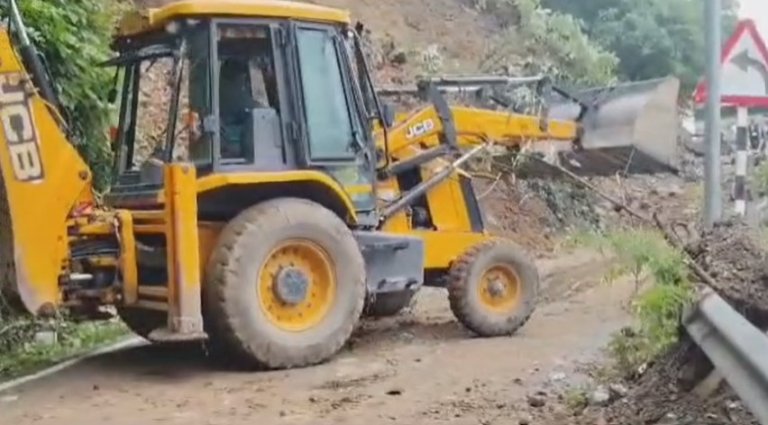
(389, 114)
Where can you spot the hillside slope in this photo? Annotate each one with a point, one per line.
(459, 30)
(453, 28)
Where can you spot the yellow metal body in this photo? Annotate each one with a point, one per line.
(152, 19)
(340, 193)
(182, 255)
(447, 201)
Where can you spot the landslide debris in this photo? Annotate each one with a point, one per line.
(670, 390)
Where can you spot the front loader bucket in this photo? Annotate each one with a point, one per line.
(631, 127)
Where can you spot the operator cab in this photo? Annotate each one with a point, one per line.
(253, 92)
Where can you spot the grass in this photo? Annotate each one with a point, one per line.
(72, 339)
(576, 400)
(644, 255)
(759, 178)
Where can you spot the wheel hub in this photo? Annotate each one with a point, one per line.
(497, 288)
(291, 285)
(296, 285)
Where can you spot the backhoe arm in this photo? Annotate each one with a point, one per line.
(43, 180)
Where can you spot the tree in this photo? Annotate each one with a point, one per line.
(651, 38)
(534, 40)
(74, 36)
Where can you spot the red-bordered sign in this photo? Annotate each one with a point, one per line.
(744, 72)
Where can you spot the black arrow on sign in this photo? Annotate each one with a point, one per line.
(744, 62)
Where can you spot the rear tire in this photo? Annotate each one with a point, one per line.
(389, 303)
(246, 278)
(493, 288)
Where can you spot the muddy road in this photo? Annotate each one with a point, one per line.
(420, 367)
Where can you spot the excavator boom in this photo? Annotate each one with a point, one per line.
(44, 179)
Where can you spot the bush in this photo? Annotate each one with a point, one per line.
(74, 36)
(657, 309)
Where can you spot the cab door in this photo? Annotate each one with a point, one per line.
(332, 132)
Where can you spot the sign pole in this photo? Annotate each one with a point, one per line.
(712, 188)
(742, 158)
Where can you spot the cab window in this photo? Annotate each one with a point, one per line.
(326, 107)
(247, 81)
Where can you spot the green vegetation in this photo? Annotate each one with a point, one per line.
(551, 43)
(21, 353)
(642, 253)
(652, 38)
(74, 36)
(759, 179)
(576, 400)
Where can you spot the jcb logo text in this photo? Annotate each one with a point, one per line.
(420, 128)
(18, 127)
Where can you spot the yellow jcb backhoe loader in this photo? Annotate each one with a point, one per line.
(280, 203)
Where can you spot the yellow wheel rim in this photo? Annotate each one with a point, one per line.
(499, 289)
(296, 285)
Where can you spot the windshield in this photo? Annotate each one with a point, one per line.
(164, 97)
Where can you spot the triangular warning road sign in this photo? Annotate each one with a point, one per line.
(744, 72)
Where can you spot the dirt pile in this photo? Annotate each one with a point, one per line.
(667, 394)
(536, 212)
(511, 212)
(734, 255)
(448, 33)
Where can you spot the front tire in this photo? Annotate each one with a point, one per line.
(285, 285)
(493, 288)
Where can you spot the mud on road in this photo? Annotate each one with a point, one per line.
(420, 367)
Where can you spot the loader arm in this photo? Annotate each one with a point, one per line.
(625, 127)
(44, 180)
(469, 126)
(425, 134)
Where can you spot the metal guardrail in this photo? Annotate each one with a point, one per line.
(738, 349)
